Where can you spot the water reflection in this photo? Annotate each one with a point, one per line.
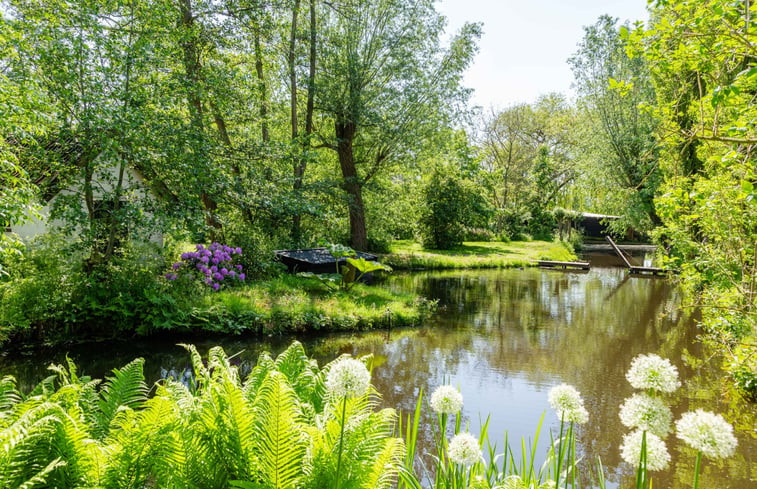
(506, 337)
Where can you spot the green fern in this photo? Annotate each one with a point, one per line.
(280, 443)
(126, 389)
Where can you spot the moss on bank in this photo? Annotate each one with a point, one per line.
(409, 255)
(290, 304)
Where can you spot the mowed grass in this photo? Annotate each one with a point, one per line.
(410, 255)
(290, 304)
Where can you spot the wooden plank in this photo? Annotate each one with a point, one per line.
(620, 253)
(653, 270)
(564, 264)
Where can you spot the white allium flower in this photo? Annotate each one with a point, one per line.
(657, 454)
(463, 449)
(646, 413)
(446, 400)
(566, 400)
(651, 372)
(347, 377)
(707, 432)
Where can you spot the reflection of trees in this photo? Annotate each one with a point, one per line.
(581, 328)
(498, 331)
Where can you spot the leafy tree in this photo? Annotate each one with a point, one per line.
(385, 81)
(616, 92)
(451, 204)
(702, 58)
(529, 162)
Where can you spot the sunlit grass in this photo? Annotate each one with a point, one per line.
(290, 303)
(479, 254)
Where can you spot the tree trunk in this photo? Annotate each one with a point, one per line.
(192, 68)
(262, 88)
(299, 169)
(345, 134)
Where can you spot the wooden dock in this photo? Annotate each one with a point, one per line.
(565, 265)
(635, 268)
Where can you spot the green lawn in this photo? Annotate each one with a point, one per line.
(289, 303)
(479, 254)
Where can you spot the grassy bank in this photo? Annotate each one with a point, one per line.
(291, 304)
(409, 255)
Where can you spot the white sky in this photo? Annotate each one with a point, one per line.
(526, 43)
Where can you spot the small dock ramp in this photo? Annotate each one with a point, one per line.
(635, 268)
(564, 265)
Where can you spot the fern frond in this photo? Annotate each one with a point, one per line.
(259, 372)
(202, 376)
(279, 433)
(385, 466)
(40, 478)
(126, 388)
(9, 395)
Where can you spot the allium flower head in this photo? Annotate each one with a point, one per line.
(347, 377)
(463, 449)
(707, 432)
(566, 400)
(646, 413)
(651, 372)
(241, 276)
(658, 457)
(446, 400)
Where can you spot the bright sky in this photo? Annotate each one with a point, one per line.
(526, 43)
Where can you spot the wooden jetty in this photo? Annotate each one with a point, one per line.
(635, 268)
(565, 265)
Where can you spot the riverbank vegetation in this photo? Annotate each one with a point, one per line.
(132, 297)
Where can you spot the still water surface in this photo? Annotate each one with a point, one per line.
(505, 337)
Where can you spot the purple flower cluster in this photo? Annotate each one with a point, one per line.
(212, 265)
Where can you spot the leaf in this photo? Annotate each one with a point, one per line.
(126, 388)
(278, 433)
(364, 266)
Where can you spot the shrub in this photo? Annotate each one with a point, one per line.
(214, 266)
(450, 205)
(478, 234)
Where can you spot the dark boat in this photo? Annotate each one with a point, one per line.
(316, 260)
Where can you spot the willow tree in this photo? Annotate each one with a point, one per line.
(384, 81)
(615, 92)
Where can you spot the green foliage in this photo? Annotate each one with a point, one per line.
(450, 205)
(619, 153)
(276, 429)
(126, 294)
(702, 61)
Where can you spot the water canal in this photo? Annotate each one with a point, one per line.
(505, 337)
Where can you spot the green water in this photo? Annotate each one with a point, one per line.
(506, 337)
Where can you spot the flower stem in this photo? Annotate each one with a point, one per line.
(341, 439)
(696, 469)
